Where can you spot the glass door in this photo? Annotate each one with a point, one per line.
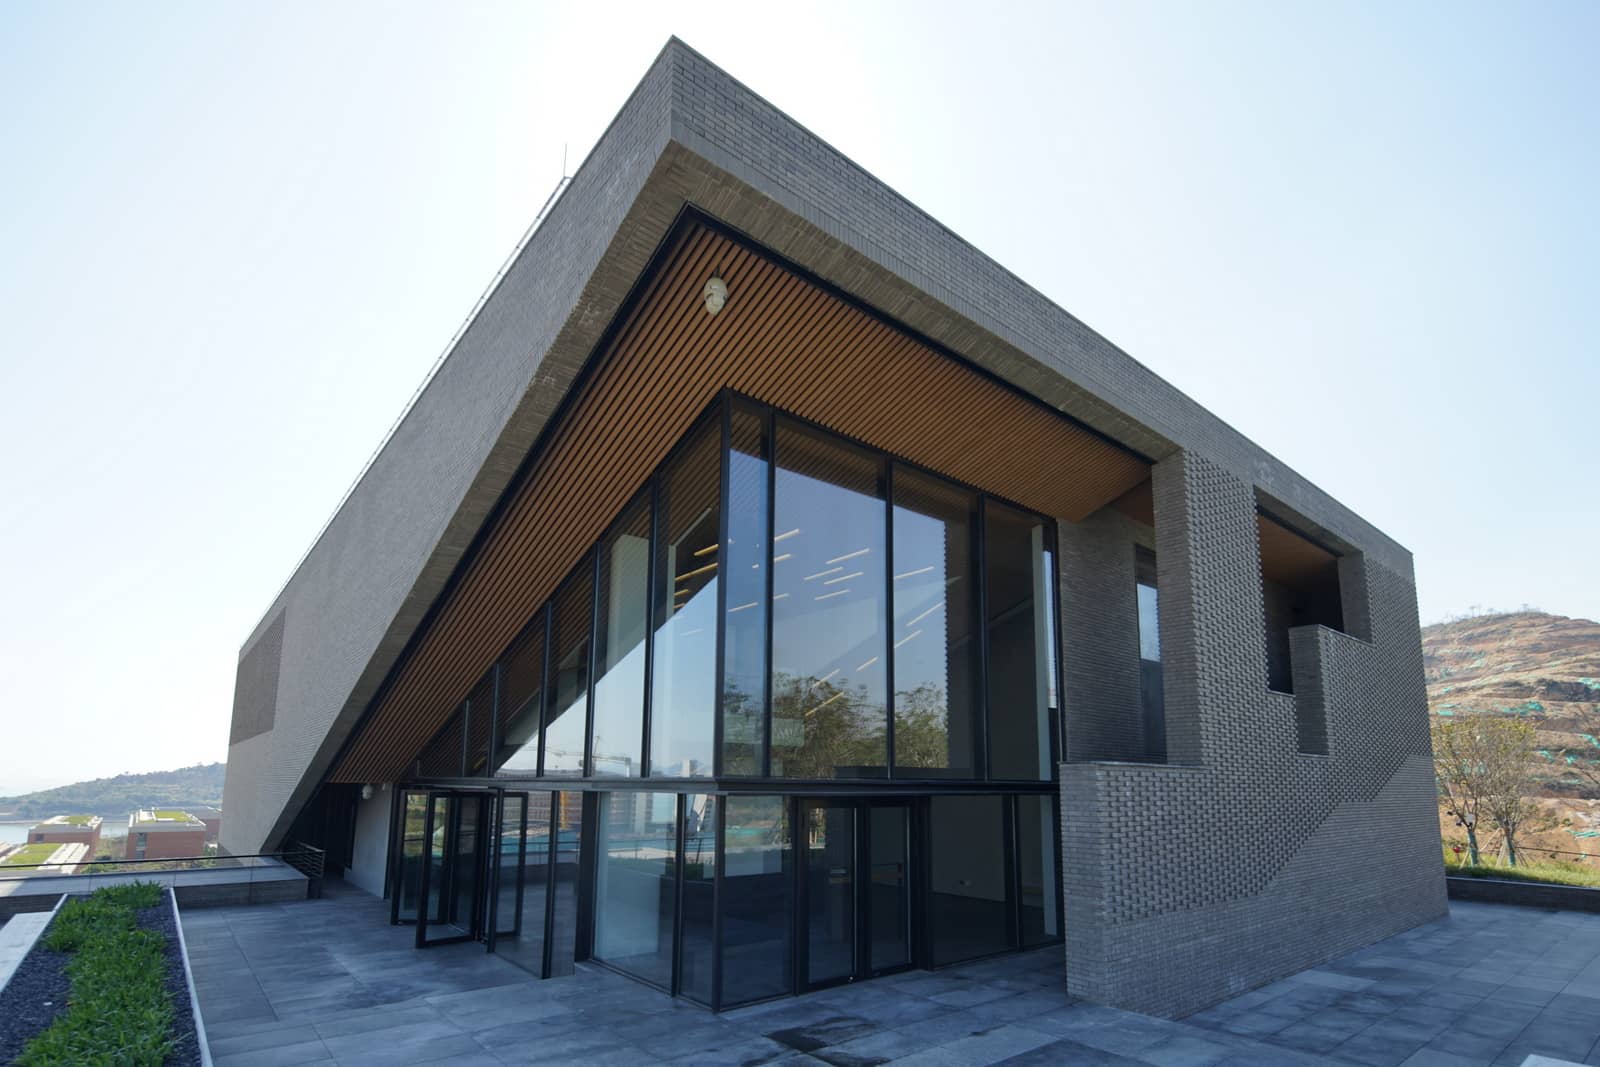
(888, 887)
(449, 900)
(856, 888)
(830, 892)
(508, 860)
(410, 854)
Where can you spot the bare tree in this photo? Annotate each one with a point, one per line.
(1483, 765)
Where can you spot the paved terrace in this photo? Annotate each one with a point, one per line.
(328, 981)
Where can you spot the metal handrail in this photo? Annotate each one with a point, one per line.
(221, 860)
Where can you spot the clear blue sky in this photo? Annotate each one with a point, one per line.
(235, 237)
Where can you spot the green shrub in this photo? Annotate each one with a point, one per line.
(119, 1013)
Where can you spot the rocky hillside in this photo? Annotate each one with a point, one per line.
(1545, 668)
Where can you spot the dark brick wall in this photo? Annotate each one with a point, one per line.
(1244, 859)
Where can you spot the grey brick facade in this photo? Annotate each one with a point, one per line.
(1281, 830)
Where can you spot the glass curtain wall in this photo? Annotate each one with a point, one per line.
(757, 899)
(620, 622)
(937, 726)
(1020, 629)
(567, 716)
(521, 703)
(829, 610)
(688, 571)
(697, 952)
(636, 896)
(744, 627)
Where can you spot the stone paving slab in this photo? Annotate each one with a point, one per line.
(330, 982)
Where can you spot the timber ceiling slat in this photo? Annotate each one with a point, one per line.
(781, 340)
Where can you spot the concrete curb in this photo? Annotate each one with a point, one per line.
(1527, 894)
(10, 957)
(188, 978)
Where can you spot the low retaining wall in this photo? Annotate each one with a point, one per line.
(1530, 894)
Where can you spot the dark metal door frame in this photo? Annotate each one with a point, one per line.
(861, 889)
(459, 799)
(496, 856)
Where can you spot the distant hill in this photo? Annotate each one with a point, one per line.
(115, 797)
(1543, 668)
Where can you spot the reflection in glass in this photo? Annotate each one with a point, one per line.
(413, 842)
(636, 885)
(568, 817)
(521, 703)
(935, 657)
(829, 677)
(1017, 571)
(479, 712)
(684, 667)
(744, 670)
(1036, 864)
(757, 899)
(619, 643)
(699, 881)
(569, 700)
(889, 886)
(520, 919)
(969, 888)
(1151, 694)
(830, 891)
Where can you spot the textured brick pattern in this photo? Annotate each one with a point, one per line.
(255, 687)
(1188, 883)
(1100, 637)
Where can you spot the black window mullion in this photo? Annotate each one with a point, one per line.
(1008, 819)
(723, 495)
(888, 608)
(677, 917)
(493, 741)
(769, 428)
(547, 965)
(545, 699)
(718, 857)
(981, 550)
(594, 662)
(650, 624)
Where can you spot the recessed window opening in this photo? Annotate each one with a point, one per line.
(1300, 587)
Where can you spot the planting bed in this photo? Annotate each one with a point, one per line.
(104, 984)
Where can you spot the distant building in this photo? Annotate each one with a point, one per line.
(212, 817)
(164, 834)
(69, 829)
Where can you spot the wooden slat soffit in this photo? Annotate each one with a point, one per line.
(781, 339)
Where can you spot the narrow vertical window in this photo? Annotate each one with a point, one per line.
(521, 703)
(829, 675)
(1151, 696)
(568, 713)
(688, 569)
(936, 721)
(619, 643)
(1018, 566)
(744, 668)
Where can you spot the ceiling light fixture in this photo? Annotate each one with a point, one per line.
(715, 294)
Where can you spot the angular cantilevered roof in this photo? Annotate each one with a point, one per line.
(689, 138)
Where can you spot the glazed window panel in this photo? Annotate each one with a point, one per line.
(521, 703)
(936, 710)
(688, 569)
(636, 884)
(1018, 573)
(757, 899)
(567, 717)
(829, 640)
(699, 896)
(619, 644)
(744, 671)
